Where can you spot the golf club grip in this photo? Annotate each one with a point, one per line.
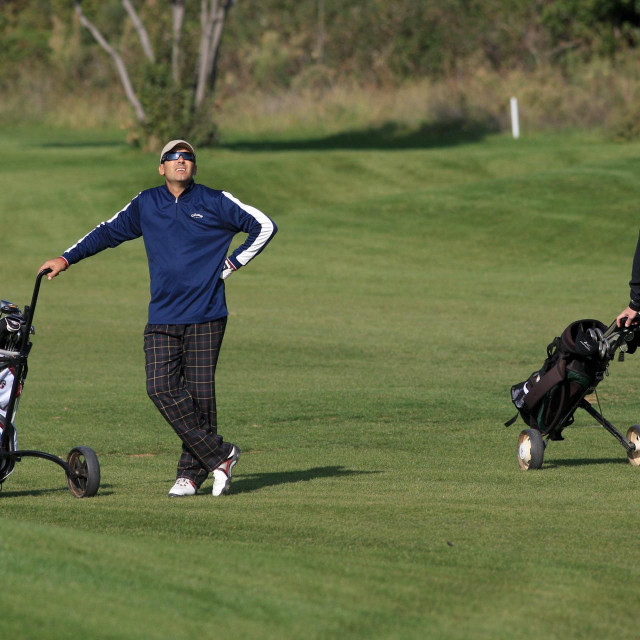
(30, 310)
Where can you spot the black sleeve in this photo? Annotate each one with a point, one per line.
(634, 283)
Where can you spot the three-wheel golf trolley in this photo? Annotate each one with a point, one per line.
(576, 363)
(81, 466)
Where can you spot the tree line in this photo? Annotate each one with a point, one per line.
(171, 57)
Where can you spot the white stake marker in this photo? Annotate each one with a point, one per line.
(515, 123)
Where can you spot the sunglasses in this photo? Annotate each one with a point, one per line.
(174, 155)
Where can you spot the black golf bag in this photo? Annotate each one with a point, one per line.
(10, 333)
(576, 362)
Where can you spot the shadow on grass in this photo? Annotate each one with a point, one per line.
(256, 481)
(389, 135)
(8, 493)
(579, 462)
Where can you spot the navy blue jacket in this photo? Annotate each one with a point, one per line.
(187, 240)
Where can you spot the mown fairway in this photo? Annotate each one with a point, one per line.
(365, 374)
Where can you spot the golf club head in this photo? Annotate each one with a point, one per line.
(9, 307)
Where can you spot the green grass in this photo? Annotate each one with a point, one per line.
(365, 374)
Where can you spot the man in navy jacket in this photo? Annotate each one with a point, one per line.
(187, 229)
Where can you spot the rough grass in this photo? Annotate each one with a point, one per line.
(365, 374)
(601, 94)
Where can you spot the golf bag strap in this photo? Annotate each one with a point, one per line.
(548, 380)
(509, 422)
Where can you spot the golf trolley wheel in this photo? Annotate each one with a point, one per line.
(633, 435)
(86, 479)
(530, 450)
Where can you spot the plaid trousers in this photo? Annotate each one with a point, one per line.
(181, 364)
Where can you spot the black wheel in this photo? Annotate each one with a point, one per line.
(530, 450)
(633, 435)
(86, 468)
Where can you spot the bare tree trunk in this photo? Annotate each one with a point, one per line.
(321, 35)
(212, 17)
(206, 27)
(120, 66)
(216, 36)
(139, 27)
(177, 10)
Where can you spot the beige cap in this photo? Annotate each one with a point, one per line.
(175, 143)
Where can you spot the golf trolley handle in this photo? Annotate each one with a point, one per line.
(30, 311)
(21, 357)
(34, 299)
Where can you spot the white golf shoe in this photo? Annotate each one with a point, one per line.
(222, 475)
(182, 487)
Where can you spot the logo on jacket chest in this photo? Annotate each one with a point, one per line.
(197, 216)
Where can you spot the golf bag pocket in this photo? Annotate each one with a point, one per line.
(7, 380)
(6, 383)
(14, 438)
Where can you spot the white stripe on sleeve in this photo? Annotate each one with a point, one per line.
(266, 232)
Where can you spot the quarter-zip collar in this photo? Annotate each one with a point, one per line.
(189, 188)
